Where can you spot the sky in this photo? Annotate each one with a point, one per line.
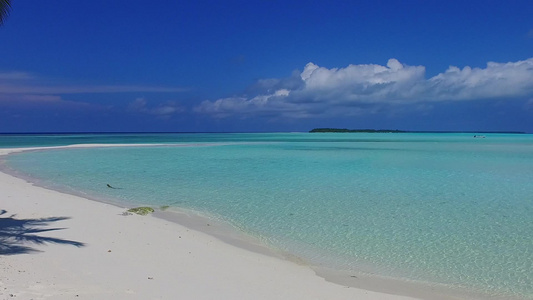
(266, 66)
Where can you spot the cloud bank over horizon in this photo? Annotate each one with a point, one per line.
(366, 88)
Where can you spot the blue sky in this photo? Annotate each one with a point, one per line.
(239, 66)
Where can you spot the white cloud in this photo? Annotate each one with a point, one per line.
(265, 105)
(360, 76)
(358, 89)
(497, 80)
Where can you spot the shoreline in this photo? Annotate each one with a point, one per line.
(359, 285)
(60, 246)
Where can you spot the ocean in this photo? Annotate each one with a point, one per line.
(443, 209)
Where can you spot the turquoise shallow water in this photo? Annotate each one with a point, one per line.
(440, 208)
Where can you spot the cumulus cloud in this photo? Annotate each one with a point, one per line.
(497, 80)
(272, 105)
(359, 83)
(359, 89)
(164, 110)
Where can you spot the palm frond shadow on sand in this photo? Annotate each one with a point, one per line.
(17, 236)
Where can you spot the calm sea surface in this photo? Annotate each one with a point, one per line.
(439, 208)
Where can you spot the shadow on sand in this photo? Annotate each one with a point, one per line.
(17, 234)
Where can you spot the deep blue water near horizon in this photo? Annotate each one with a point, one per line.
(439, 208)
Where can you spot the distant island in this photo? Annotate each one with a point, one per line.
(343, 130)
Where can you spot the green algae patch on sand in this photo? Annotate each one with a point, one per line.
(143, 211)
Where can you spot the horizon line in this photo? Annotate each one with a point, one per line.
(215, 132)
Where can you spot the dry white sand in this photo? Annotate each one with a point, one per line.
(59, 246)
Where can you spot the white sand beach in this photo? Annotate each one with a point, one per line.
(60, 246)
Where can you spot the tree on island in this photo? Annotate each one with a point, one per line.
(5, 7)
(404, 131)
